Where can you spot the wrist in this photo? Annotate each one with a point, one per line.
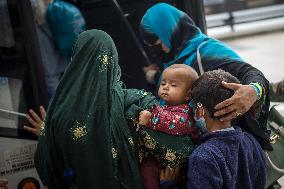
(258, 89)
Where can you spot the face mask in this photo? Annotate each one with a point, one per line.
(201, 124)
(158, 54)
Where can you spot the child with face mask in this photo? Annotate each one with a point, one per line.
(175, 119)
(226, 156)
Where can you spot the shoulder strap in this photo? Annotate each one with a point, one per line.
(199, 62)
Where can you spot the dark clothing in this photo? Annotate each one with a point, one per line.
(179, 33)
(227, 159)
(150, 172)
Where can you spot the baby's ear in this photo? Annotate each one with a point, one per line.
(188, 97)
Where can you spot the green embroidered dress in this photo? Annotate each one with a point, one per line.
(88, 140)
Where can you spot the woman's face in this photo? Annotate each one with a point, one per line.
(163, 46)
(174, 86)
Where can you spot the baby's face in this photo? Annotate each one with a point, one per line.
(174, 87)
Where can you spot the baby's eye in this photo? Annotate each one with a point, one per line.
(162, 83)
(174, 85)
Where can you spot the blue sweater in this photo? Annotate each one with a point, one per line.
(227, 159)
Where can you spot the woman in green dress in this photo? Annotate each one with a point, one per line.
(88, 139)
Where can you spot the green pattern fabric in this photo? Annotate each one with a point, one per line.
(88, 140)
(170, 150)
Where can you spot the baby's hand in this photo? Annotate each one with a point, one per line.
(144, 117)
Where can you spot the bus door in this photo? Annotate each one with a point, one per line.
(22, 86)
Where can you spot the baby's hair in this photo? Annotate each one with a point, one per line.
(191, 73)
(209, 91)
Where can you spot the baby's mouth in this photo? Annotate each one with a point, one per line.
(164, 94)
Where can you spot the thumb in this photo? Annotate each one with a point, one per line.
(232, 86)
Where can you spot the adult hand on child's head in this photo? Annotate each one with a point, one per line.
(169, 174)
(242, 100)
(3, 183)
(35, 121)
(144, 117)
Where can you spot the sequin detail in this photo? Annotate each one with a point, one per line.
(149, 142)
(182, 119)
(114, 153)
(106, 59)
(171, 126)
(42, 129)
(131, 141)
(78, 131)
(170, 155)
(155, 120)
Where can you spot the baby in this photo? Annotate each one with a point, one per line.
(167, 132)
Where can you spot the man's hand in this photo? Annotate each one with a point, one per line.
(242, 100)
(144, 117)
(35, 121)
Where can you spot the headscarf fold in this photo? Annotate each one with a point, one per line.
(87, 141)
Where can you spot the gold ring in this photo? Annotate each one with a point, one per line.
(238, 114)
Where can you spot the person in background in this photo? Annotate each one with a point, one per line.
(226, 157)
(175, 119)
(172, 35)
(54, 62)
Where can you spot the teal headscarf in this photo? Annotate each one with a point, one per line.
(179, 33)
(87, 141)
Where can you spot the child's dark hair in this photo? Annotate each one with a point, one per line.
(209, 91)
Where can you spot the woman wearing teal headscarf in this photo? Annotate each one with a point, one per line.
(173, 35)
(87, 140)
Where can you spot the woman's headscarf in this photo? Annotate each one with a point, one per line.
(179, 33)
(86, 142)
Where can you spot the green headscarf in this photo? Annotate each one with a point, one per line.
(87, 141)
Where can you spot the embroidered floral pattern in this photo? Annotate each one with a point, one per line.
(114, 153)
(78, 131)
(106, 59)
(149, 142)
(130, 140)
(170, 155)
(166, 155)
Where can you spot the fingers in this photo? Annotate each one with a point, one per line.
(31, 130)
(32, 122)
(169, 173)
(225, 103)
(233, 86)
(35, 116)
(231, 116)
(228, 109)
(42, 112)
